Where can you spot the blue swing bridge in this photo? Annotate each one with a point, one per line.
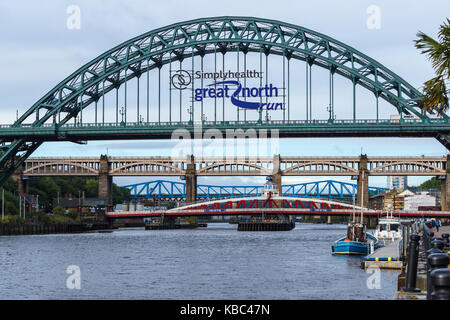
(173, 190)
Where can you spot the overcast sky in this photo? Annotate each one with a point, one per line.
(37, 51)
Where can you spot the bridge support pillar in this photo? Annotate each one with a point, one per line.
(362, 190)
(22, 184)
(191, 181)
(105, 181)
(276, 174)
(191, 189)
(445, 187)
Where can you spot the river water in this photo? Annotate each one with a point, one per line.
(217, 262)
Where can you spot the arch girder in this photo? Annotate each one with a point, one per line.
(160, 167)
(393, 167)
(268, 33)
(48, 167)
(158, 47)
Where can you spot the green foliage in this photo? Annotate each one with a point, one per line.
(62, 219)
(59, 211)
(432, 183)
(11, 200)
(12, 220)
(44, 218)
(73, 215)
(91, 187)
(38, 216)
(48, 188)
(120, 194)
(435, 93)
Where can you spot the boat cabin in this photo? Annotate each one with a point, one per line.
(270, 188)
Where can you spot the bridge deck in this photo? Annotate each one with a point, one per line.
(287, 128)
(258, 211)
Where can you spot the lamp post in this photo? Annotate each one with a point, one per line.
(122, 113)
(189, 110)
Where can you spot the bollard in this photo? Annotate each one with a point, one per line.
(445, 238)
(408, 233)
(404, 245)
(427, 236)
(435, 261)
(440, 279)
(438, 244)
(413, 257)
(430, 252)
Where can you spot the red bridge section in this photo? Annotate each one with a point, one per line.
(275, 205)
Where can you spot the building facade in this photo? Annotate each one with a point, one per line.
(397, 182)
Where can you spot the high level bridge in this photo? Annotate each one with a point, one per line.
(204, 77)
(190, 167)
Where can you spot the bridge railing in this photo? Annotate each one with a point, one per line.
(248, 122)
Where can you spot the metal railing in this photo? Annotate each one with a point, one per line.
(209, 123)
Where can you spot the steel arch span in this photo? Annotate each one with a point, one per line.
(48, 119)
(164, 189)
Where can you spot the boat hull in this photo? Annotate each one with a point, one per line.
(350, 248)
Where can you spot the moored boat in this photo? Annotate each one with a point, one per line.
(357, 241)
(388, 229)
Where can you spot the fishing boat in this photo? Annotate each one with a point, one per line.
(357, 241)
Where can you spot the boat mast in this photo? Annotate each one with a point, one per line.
(362, 199)
(353, 196)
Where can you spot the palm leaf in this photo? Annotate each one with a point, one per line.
(435, 93)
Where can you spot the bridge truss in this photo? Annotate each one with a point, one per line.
(171, 190)
(236, 166)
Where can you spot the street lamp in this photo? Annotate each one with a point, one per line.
(332, 116)
(122, 113)
(189, 110)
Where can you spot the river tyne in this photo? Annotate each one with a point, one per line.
(216, 262)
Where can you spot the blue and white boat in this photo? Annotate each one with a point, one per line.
(357, 241)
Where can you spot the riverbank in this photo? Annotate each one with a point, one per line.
(217, 262)
(11, 229)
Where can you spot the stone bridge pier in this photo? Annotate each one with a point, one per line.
(362, 188)
(22, 183)
(191, 180)
(276, 174)
(105, 181)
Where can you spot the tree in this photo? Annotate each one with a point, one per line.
(432, 183)
(435, 93)
(59, 211)
(120, 194)
(91, 188)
